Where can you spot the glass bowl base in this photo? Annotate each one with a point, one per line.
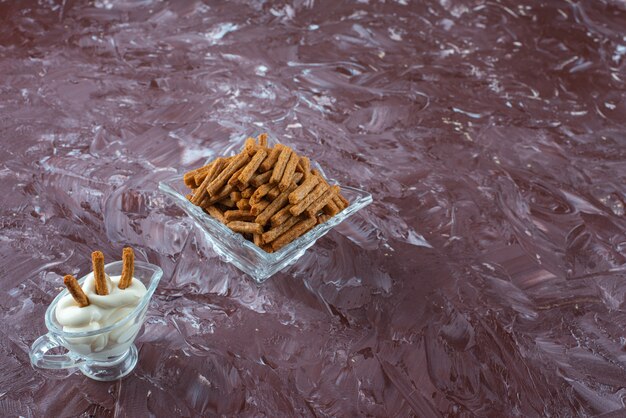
(111, 370)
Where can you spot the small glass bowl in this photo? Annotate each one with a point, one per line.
(104, 354)
(235, 249)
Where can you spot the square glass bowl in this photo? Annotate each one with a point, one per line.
(235, 249)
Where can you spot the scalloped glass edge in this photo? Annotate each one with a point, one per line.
(235, 249)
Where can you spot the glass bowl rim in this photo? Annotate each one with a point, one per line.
(267, 257)
(52, 324)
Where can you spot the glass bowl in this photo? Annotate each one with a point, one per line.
(104, 354)
(233, 248)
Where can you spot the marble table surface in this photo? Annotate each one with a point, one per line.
(488, 277)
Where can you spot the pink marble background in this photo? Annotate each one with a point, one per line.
(487, 279)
